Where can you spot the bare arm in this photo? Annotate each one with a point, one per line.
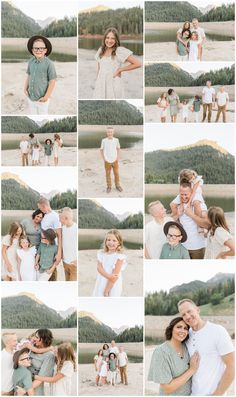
(59, 249)
(5, 258)
(36, 266)
(180, 39)
(30, 392)
(49, 379)
(98, 68)
(194, 191)
(18, 266)
(134, 63)
(102, 154)
(49, 91)
(231, 252)
(146, 254)
(26, 85)
(174, 210)
(37, 349)
(200, 221)
(118, 153)
(101, 270)
(228, 375)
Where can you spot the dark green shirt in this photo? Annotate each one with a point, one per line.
(112, 365)
(47, 149)
(177, 252)
(22, 377)
(40, 73)
(196, 105)
(182, 50)
(47, 254)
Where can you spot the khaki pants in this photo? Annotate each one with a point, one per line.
(108, 168)
(70, 271)
(197, 254)
(123, 374)
(7, 393)
(221, 109)
(25, 159)
(207, 107)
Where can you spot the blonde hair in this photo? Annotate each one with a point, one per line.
(65, 352)
(6, 336)
(217, 219)
(186, 175)
(43, 201)
(117, 236)
(13, 229)
(186, 300)
(67, 211)
(152, 204)
(24, 238)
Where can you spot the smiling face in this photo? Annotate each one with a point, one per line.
(110, 40)
(19, 232)
(112, 243)
(38, 218)
(39, 49)
(190, 314)
(194, 36)
(24, 360)
(180, 331)
(110, 133)
(158, 211)
(185, 193)
(24, 243)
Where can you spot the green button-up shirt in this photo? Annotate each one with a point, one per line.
(40, 73)
(47, 149)
(177, 252)
(47, 254)
(22, 377)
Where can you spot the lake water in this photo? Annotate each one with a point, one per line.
(166, 36)
(87, 357)
(95, 242)
(20, 55)
(136, 46)
(92, 139)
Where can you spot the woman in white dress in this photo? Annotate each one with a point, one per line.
(57, 144)
(111, 264)
(110, 58)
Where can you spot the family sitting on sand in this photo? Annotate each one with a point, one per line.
(109, 362)
(31, 148)
(190, 41)
(33, 249)
(170, 100)
(110, 58)
(197, 357)
(27, 365)
(191, 231)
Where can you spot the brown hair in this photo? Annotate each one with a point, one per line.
(65, 352)
(17, 355)
(186, 175)
(118, 237)
(50, 235)
(13, 229)
(24, 238)
(184, 25)
(217, 219)
(169, 329)
(117, 42)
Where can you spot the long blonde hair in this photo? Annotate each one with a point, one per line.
(217, 219)
(117, 236)
(116, 45)
(65, 352)
(13, 229)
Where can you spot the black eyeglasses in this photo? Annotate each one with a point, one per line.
(39, 48)
(174, 236)
(26, 358)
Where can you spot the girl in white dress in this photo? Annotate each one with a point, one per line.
(35, 154)
(110, 57)
(26, 260)
(111, 264)
(10, 244)
(220, 243)
(57, 144)
(103, 372)
(185, 110)
(64, 370)
(163, 104)
(194, 49)
(98, 359)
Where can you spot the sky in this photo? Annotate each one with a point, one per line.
(194, 67)
(115, 312)
(114, 4)
(163, 275)
(47, 117)
(175, 135)
(44, 9)
(61, 178)
(204, 3)
(58, 296)
(121, 205)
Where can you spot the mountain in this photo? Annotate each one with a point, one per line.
(170, 11)
(109, 113)
(16, 24)
(83, 314)
(122, 217)
(91, 331)
(205, 10)
(220, 278)
(19, 125)
(98, 8)
(16, 194)
(66, 313)
(119, 331)
(163, 166)
(51, 194)
(166, 75)
(44, 23)
(225, 12)
(94, 216)
(197, 284)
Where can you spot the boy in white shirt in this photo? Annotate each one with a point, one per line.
(208, 100)
(24, 147)
(222, 100)
(10, 342)
(110, 151)
(123, 363)
(69, 244)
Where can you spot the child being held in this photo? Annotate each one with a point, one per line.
(26, 260)
(176, 235)
(45, 257)
(112, 368)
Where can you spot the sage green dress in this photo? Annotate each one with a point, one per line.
(167, 365)
(174, 102)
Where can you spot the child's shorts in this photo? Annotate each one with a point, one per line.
(36, 107)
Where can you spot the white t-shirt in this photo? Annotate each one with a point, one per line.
(215, 244)
(7, 371)
(222, 98)
(195, 239)
(200, 32)
(63, 386)
(51, 221)
(69, 243)
(155, 237)
(24, 146)
(211, 342)
(114, 350)
(122, 358)
(207, 94)
(109, 147)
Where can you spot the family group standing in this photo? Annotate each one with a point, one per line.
(32, 151)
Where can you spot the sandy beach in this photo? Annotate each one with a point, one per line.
(63, 100)
(87, 386)
(132, 81)
(212, 50)
(68, 157)
(92, 181)
(132, 275)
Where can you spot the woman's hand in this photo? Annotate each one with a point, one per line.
(117, 73)
(194, 362)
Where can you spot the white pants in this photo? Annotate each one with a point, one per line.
(113, 376)
(196, 117)
(36, 107)
(47, 160)
(183, 58)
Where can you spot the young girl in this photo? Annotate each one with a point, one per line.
(10, 244)
(48, 146)
(97, 363)
(110, 265)
(220, 243)
(182, 44)
(29, 344)
(185, 110)
(196, 108)
(110, 57)
(194, 49)
(22, 376)
(57, 144)
(103, 372)
(112, 368)
(44, 263)
(26, 260)
(163, 104)
(35, 154)
(64, 371)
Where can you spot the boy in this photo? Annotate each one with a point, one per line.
(176, 235)
(10, 342)
(24, 147)
(123, 363)
(41, 78)
(110, 151)
(69, 244)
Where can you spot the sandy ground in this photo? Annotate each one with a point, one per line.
(132, 81)
(132, 275)
(63, 100)
(87, 386)
(92, 181)
(212, 51)
(68, 157)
